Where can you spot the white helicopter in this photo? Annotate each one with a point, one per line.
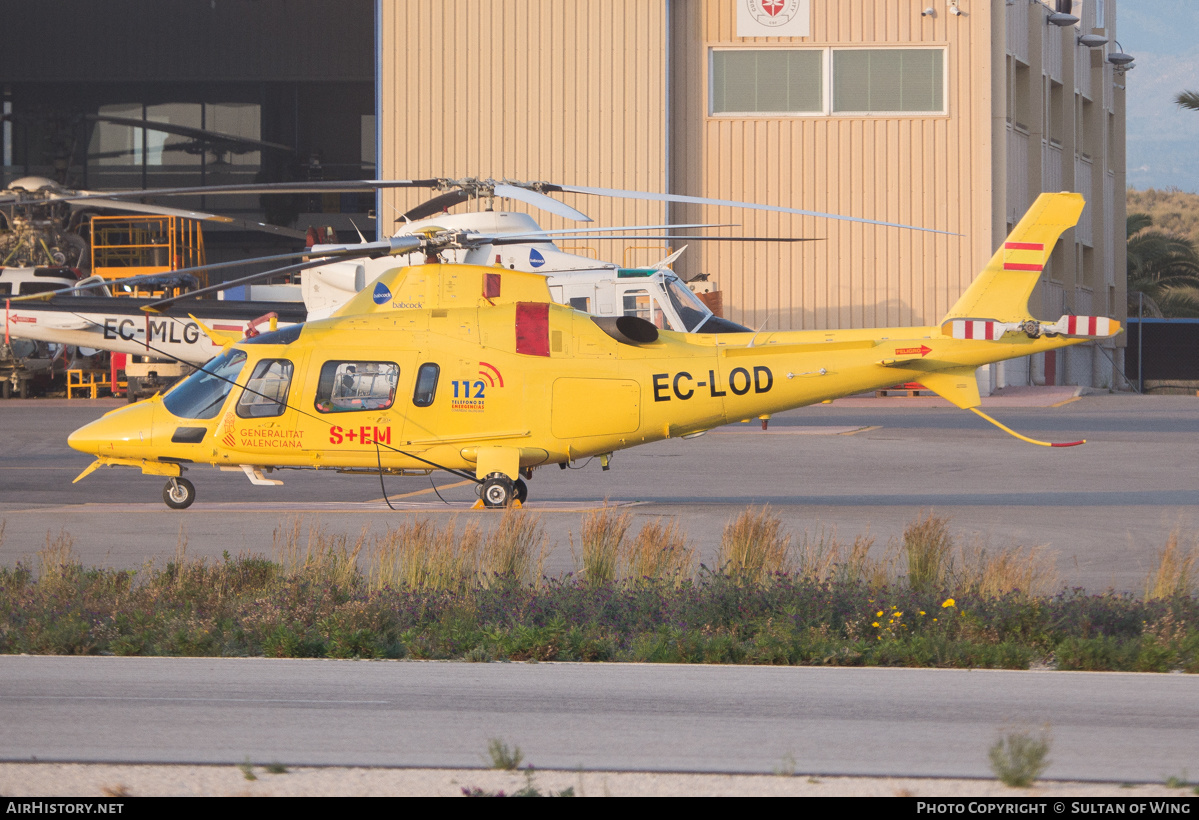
(429, 234)
(487, 236)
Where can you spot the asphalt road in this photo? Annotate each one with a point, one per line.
(856, 466)
(896, 722)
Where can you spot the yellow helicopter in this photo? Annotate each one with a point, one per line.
(475, 370)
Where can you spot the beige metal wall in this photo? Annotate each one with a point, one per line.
(577, 91)
(934, 171)
(570, 91)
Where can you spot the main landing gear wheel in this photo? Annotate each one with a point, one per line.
(179, 493)
(522, 490)
(498, 491)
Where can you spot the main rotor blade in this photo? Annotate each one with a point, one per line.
(505, 240)
(254, 277)
(541, 201)
(333, 254)
(535, 234)
(435, 205)
(199, 134)
(315, 187)
(699, 200)
(142, 208)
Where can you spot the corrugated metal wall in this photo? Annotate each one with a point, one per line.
(575, 91)
(570, 91)
(928, 170)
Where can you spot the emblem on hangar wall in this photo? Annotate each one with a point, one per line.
(773, 18)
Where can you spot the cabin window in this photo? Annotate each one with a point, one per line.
(347, 386)
(265, 394)
(202, 394)
(640, 303)
(426, 384)
(692, 312)
(40, 287)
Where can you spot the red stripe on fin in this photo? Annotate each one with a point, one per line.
(1023, 246)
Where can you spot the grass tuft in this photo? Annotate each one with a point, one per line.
(1016, 570)
(515, 550)
(600, 540)
(1018, 757)
(504, 756)
(928, 548)
(1176, 572)
(754, 547)
(419, 556)
(324, 558)
(660, 552)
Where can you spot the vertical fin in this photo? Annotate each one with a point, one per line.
(1001, 291)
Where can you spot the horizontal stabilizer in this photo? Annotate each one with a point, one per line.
(1099, 327)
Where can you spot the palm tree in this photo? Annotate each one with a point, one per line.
(1188, 99)
(1164, 267)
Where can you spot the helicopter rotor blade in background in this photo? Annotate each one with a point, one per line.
(541, 201)
(332, 253)
(226, 141)
(532, 235)
(138, 207)
(315, 187)
(395, 246)
(434, 206)
(698, 200)
(505, 240)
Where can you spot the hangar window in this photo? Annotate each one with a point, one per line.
(781, 81)
(819, 82)
(265, 393)
(888, 80)
(346, 386)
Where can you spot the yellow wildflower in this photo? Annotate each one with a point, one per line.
(948, 602)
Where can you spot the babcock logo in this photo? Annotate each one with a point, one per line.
(381, 295)
(536, 259)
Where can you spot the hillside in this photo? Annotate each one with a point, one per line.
(1171, 209)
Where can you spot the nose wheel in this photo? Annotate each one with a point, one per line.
(179, 493)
